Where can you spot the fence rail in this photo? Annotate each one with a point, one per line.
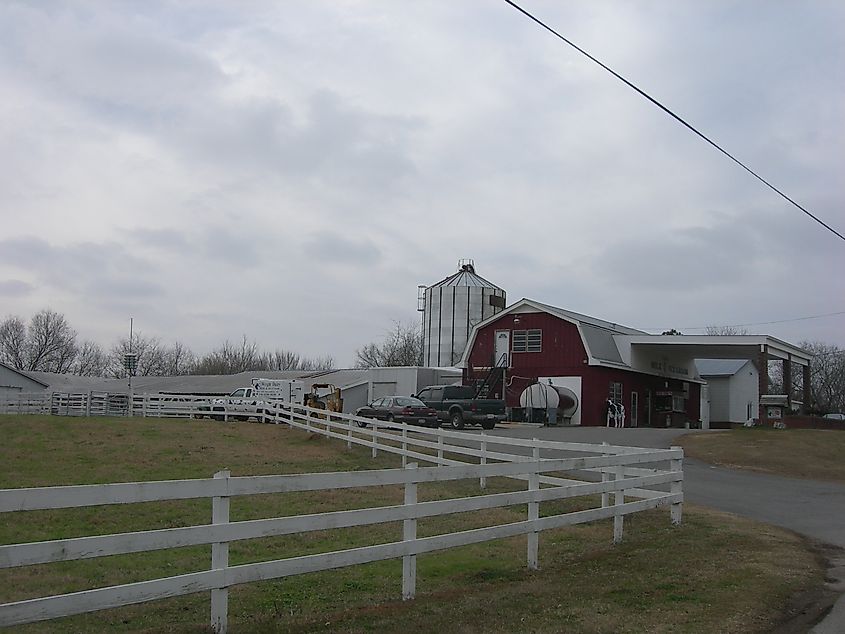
(628, 479)
(96, 403)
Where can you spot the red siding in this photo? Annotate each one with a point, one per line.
(563, 354)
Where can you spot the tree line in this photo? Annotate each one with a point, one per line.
(48, 343)
(827, 378)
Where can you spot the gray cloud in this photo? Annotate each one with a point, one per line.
(89, 269)
(15, 288)
(320, 161)
(330, 246)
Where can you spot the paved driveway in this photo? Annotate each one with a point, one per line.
(809, 507)
(813, 508)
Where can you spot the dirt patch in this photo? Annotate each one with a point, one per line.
(808, 608)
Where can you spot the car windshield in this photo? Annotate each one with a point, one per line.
(407, 401)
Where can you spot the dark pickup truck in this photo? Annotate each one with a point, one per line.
(456, 404)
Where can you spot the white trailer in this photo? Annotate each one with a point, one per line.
(279, 390)
(252, 401)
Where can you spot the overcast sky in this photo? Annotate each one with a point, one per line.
(293, 170)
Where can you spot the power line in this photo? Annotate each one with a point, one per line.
(677, 118)
(757, 323)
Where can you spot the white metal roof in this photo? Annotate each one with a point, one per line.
(723, 346)
(719, 367)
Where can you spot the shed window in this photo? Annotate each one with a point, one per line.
(528, 340)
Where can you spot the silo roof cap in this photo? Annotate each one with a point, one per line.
(466, 276)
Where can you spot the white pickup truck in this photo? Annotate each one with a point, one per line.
(253, 401)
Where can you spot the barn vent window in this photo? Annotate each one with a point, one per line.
(528, 340)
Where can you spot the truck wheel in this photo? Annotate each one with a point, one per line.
(457, 420)
(488, 424)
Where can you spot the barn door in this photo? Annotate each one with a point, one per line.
(503, 349)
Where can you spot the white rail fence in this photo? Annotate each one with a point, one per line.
(628, 480)
(448, 447)
(222, 531)
(96, 403)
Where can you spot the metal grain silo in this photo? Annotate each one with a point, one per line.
(450, 310)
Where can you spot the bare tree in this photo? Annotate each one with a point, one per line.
(401, 346)
(49, 343)
(91, 360)
(154, 359)
(827, 377)
(13, 342)
(317, 363)
(288, 360)
(283, 360)
(725, 330)
(231, 358)
(178, 359)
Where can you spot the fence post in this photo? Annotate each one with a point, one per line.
(439, 446)
(409, 534)
(88, 404)
(605, 477)
(483, 480)
(405, 445)
(677, 509)
(534, 509)
(618, 499)
(349, 422)
(220, 559)
(375, 448)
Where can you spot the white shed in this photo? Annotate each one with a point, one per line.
(733, 389)
(14, 382)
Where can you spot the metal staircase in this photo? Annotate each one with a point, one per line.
(492, 378)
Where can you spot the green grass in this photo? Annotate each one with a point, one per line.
(799, 453)
(713, 573)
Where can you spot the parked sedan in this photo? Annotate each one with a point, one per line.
(402, 409)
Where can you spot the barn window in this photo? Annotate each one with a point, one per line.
(615, 392)
(528, 340)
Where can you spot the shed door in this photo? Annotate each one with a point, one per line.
(503, 348)
(635, 407)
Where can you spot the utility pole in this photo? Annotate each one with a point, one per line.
(130, 362)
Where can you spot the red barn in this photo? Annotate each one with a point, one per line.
(531, 350)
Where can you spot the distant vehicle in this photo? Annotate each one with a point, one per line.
(401, 409)
(458, 405)
(834, 417)
(253, 401)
